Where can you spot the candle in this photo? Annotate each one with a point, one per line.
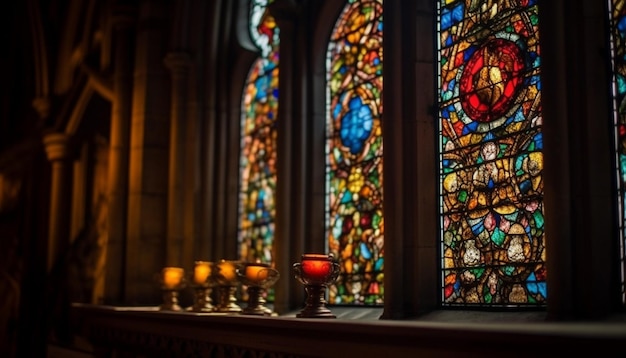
(227, 270)
(256, 272)
(316, 266)
(172, 277)
(201, 272)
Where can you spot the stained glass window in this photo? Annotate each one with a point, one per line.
(493, 250)
(354, 163)
(618, 44)
(258, 141)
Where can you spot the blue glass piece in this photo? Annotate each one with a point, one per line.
(457, 283)
(365, 251)
(535, 79)
(621, 84)
(519, 115)
(458, 13)
(531, 284)
(445, 21)
(450, 17)
(449, 41)
(539, 141)
(451, 84)
(445, 113)
(621, 26)
(338, 225)
(543, 289)
(471, 127)
(378, 265)
(478, 227)
(525, 186)
(268, 66)
(468, 53)
(337, 110)
(519, 162)
(356, 125)
(261, 85)
(347, 197)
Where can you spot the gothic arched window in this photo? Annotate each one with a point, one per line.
(618, 44)
(491, 185)
(354, 163)
(257, 164)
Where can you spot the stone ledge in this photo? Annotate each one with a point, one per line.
(146, 331)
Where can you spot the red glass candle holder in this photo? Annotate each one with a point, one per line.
(316, 272)
(258, 277)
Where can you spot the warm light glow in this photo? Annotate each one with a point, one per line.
(256, 272)
(316, 266)
(172, 277)
(201, 272)
(227, 270)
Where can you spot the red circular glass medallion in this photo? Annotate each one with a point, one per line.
(491, 79)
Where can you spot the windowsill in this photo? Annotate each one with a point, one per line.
(147, 330)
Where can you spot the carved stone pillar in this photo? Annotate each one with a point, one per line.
(179, 163)
(288, 239)
(148, 152)
(579, 200)
(123, 33)
(57, 147)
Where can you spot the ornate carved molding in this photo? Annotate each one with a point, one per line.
(57, 146)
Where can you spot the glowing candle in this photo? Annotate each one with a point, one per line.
(316, 266)
(256, 272)
(201, 272)
(172, 277)
(227, 270)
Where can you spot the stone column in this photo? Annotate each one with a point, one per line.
(424, 282)
(400, 165)
(57, 147)
(123, 33)
(580, 197)
(208, 106)
(148, 156)
(288, 292)
(178, 64)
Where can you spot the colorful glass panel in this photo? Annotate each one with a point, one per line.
(493, 250)
(618, 44)
(258, 141)
(354, 148)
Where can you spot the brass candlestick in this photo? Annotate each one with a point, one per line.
(258, 277)
(316, 272)
(203, 282)
(227, 280)
(172, 281)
